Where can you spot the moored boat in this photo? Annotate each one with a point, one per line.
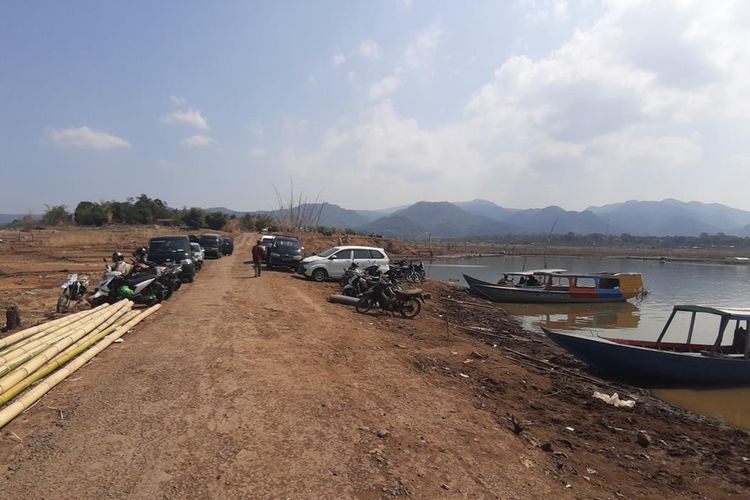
(559, 286)
(662, 363)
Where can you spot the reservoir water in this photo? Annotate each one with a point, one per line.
(668, 284)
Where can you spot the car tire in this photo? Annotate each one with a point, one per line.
(319, 275)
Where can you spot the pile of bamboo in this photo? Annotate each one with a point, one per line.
(44, 355)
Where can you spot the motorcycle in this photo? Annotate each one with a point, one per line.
(73, 290)
(141, 288)
(393, 299)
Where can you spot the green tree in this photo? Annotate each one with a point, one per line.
(56, 216)
(90, 214)
(216, 220)
(194, 218)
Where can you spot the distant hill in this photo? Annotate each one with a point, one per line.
(543, 220)
(438, 219)
(479, 217)
(8, 218)
(673, 217)
(486, 209)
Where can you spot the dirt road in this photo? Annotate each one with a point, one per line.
(253, 388)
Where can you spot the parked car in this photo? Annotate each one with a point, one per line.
(285, 251)
(266, 240)
(198, 255)
(211, 244)
(332, 263)
(173, 249)
(227, 246)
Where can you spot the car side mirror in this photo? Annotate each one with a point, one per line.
(332, 257)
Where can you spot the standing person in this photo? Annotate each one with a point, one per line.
(258, 254)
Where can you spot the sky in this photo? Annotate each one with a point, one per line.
(373, 104)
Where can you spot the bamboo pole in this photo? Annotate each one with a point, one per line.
(39, 360)
(28, 332)
(47, 339)
(129, 315)
(14, 355)
(24, 401)
(46, 331)
(65, 356)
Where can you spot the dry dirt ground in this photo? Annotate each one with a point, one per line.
(259, 388)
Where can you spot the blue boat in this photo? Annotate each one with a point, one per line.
(719, 365)
(556, 286)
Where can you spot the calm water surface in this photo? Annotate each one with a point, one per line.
(668, 284)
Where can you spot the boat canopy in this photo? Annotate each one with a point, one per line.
(536, 271)
(730, 313)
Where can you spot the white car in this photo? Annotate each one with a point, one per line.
(333, 262)
(198, 255)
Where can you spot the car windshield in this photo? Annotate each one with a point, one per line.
(293, 244)
(209, 241)
(329, 252)
(167, 245)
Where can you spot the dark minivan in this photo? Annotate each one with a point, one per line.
(173, 249)
(211, 244)
(227, 246)
(284, 251)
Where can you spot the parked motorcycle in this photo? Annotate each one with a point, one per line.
(141, 288)
(393, 299)
(73, 290)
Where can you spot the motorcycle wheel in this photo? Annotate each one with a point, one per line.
(364, 305)
(160, 292)
(97, 301)
(62, 303)
(411, 308)
(167, 290)
(176, 283)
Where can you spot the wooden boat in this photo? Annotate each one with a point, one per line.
(661, 365)
(551, 286)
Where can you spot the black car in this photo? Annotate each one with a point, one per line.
(211, 244)
(227, 246)
(284, 251)
(173, 249)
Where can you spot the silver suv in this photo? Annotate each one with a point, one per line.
(333, 262)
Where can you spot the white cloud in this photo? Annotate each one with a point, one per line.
(177, 100)
(196, 140)
(86, 138)
(189, 117)
(166, 164)
(257, 152)
(647, 101)
(369, 49)
(384, 87)
(338, 58)
(421, 51)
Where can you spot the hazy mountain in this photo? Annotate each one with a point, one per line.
(673, 217)
(224, 210)
(438, 219)
(559, 221)
(486, 209)
(8, 218)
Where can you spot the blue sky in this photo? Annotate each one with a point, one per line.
(372, 104)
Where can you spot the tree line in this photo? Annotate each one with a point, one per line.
(145, 210)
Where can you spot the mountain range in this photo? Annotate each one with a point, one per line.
(477, 218)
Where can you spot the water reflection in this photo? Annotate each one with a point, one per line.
(669, 284)
(618, 315)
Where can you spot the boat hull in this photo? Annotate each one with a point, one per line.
(531, 295)
(652, 367)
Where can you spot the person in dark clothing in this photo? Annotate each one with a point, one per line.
(258, 253)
